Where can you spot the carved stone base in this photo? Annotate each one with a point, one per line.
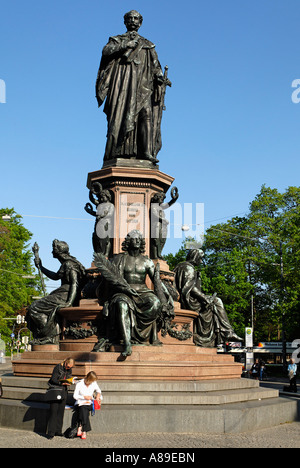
(46, 348)
(181, 332)
(132, 192)
(89, 310)
(176, 359)
(85, 345)
(129, 163)
(168, 362)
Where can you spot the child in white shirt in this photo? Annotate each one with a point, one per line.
(84, 394)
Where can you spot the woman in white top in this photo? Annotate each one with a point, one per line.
(84, 394)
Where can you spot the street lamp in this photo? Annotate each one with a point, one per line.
(192, 244)
(282, 309)
(6, 217)
(281, 301)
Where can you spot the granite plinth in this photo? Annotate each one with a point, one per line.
(211, 406)
(166, 362)
(131, 191)
(177, 358)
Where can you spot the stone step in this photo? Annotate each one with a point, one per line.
(168, 362)
(233, 418)
(148, 393)
(152, 370)
(142, 386)
(186, 398)
(165, 370)
(167, 348)
(157, 398)
(137, 355)
(117, 349)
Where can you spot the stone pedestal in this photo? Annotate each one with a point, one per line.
(169, 362)
(46, 348)
(90, 311)
(132, 185)
(176, 359)
(132, 189)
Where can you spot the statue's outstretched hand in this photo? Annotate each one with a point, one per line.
(88, 207)
(174, 193)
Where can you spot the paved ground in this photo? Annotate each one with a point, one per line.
(284, 436)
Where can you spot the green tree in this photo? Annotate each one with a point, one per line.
(257, 255)
(275, 217)
(16, 290)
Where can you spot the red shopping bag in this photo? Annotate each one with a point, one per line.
(96, 405)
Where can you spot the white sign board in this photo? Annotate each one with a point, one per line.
(249, 337)
(249, 361)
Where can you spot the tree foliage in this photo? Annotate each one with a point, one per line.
(16, 290)
(257, 255)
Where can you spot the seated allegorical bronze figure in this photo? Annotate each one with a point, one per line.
(42, 317)
(212, 327)
(132, 309)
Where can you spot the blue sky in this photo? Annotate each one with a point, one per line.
(230, 124)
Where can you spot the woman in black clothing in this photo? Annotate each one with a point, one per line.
(60, 372)
(255, 370)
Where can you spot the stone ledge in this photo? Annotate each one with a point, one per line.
(219, 419)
